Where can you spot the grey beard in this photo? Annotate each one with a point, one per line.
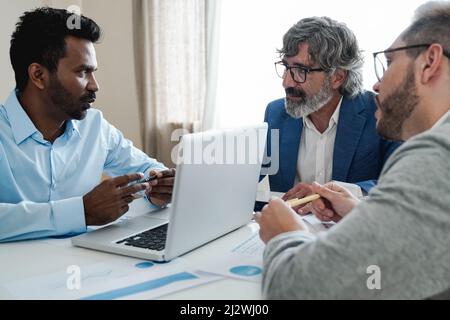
(309, 104)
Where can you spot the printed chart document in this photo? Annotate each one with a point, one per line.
(245, 261)
(242, 262)
(101, 281)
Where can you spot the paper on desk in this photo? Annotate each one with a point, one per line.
(101, 281)
(242, 262)
(245, 261)
(315, 225)
(265, 196)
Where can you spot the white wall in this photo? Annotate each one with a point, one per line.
(117, 97)
(10, 10)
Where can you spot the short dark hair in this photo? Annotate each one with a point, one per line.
(431, 24)
(39, 37)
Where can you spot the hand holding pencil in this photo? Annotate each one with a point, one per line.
(334, 202)
(298, 202)
(277, 216)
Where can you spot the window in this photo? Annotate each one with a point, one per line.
(252, 30)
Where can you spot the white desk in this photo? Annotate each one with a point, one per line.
(21, 260)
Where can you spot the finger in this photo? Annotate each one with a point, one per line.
(292, 192)
(319, 204)
(161, 189)
(288, 195)
(169, 173)
(328, 213)
(301, 194)
(306, 209)
(322, 218)
(323, 206)
(124, 209)
(134, 188)
(323, 212)
(334, 186)
(128, 199)
(324, 191)
(163, 173)
(279, 204)
(161, 196)
(297, 208)
(126, 179)
(314, 209)
(275, 200)
(165, 181)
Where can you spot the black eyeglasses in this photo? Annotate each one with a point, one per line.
(381, 64)
(298, 73)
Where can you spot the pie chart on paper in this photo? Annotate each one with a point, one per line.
(246, 271)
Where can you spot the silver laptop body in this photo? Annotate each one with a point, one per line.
(211, 197)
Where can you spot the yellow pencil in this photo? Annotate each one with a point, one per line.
(296, 202)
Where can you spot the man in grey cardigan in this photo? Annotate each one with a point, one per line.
(396, 243)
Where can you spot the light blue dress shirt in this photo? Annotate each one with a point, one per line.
(42, 184)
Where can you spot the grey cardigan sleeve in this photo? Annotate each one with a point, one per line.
(402, 229)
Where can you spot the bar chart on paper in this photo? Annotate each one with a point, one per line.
(101, 281)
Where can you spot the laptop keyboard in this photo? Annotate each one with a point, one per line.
(153, 239)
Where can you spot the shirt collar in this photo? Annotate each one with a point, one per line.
(72, 126)
(441, 120)
(21, 125)
(333, 120)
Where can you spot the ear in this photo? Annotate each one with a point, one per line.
(338, 78)
(38, 75)
(430, 65)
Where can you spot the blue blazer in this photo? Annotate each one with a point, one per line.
(359, 152)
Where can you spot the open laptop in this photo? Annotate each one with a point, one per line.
(214, 193)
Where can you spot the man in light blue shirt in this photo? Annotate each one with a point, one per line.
(54, 147)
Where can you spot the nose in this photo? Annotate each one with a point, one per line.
(93, 84)
(376, 87)
(288, 82)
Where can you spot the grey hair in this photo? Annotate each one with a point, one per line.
(332, 45)
(431, 24)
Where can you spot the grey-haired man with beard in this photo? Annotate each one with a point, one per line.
(393, 245)
(326, 122)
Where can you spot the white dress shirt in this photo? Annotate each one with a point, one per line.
(315, 156)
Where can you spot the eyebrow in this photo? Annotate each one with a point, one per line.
(296, 64)
(301, 65)
(86, 68)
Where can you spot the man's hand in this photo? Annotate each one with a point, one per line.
(335, 202)
(109, 200)
(160, 193)
(301, 190)
(276, 218)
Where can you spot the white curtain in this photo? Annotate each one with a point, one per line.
(213, 23)
(171, 41)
